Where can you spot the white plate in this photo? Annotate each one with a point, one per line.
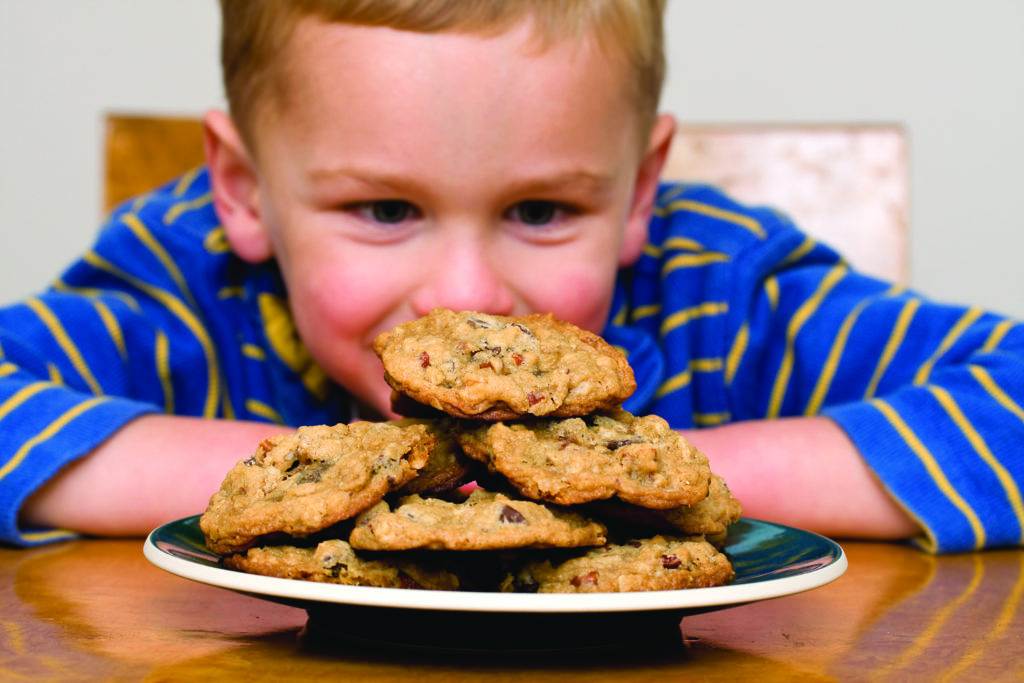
(770, 560)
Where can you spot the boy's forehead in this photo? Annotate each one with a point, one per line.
(336, 74)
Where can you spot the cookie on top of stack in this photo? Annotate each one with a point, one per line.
(571, 494)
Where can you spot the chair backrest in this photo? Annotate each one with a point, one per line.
(142, 152)
(844, 185)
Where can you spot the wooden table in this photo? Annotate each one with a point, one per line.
(98, 610)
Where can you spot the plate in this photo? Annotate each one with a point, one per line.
(770, 560)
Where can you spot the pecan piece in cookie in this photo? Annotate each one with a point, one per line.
(492, 367)
(659, 563)
(303, 482)
(335, 562)
(484, 521)
(639, 460)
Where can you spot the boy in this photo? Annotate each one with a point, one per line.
(385, 158)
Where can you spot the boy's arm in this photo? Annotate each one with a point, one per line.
(805, 472)
(928, 394)
(154, 318)
(154, 469)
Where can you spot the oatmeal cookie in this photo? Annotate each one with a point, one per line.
(492, 367)
(302, 482)
(653, 564)
(446, 468)
(640, 460)
(335, 562)
(710, 517)
(484, 521)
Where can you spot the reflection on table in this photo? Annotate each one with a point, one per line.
(98, 609)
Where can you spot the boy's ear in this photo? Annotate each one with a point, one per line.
(234, 184)
(646, 188)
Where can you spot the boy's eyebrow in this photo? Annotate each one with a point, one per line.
(577, 179)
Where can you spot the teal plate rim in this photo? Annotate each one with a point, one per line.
(771, 560)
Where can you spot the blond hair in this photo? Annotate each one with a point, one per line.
(255, 32)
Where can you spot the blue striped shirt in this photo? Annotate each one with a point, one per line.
(730, 314)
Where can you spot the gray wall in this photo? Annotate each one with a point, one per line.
(951, 72)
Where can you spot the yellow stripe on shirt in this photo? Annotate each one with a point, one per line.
(736, 351)
(997, 335)
(682, 379)
(731, 217)
(805, 248)
(129, 301)
(253, 351)
(984, 452)
(8, 369)
(216, 241)
(710, 419)
(671, 193)
(966, 320)
(933, 469)
(113, 327)
(51, 535)
(47, 433)
(227, 407)
(828, 371)
(54, 372)
(179, 310)
(60, 335)
(706, 364)
(619, 319)
(899, 332)
(641, 312)
(1001, 397)
(185, 182)
(161, 357)
(681, 317)
(263, 410)
(692, 261)
(181, 207)
(796, 323)
(771, 290)
(20, 396)
(677, 381)
(231, 292)
(150, 242)
(684, 243)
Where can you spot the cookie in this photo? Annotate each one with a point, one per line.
(335, 562)
(710, 517)
(639, 460)
(659, 563)
(446, 468)
(484, 521)
(302, 482)
(492, 367)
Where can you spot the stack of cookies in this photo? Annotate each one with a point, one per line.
(520, 472)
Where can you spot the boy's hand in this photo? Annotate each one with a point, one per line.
(156, 469)
(804, 472)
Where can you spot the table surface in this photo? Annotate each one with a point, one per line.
(97, 609)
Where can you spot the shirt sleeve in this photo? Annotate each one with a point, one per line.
(63, 388)
(929, 393)
(119, 335)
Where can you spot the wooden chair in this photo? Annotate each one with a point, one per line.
(845, 185)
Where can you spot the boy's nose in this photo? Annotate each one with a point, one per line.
(464, 279)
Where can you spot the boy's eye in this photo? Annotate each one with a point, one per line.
(387, 211)
(535, 212)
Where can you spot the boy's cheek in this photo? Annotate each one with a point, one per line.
(582, 296)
